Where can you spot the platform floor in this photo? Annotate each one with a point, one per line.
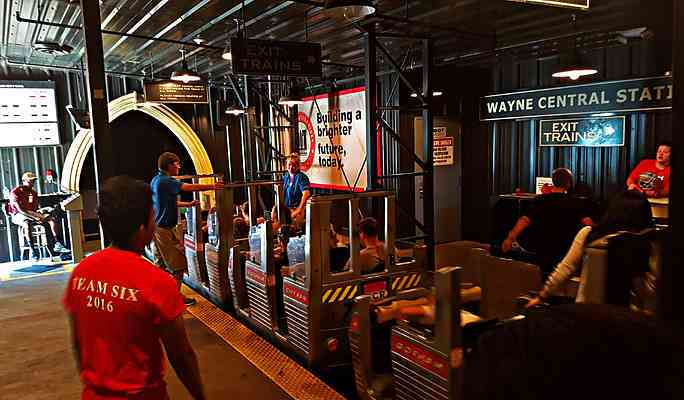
(37, 362)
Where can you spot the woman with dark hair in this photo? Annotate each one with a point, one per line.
(627, 212)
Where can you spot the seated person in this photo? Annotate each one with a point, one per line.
(23, 209)
(244, 210)
(294, 248)
(422, 310)
(553, 220)
(627, 212)
(652, 177)
(240, 228)
(372, 256)
(339, 253)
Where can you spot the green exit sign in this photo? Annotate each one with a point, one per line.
(576, 4)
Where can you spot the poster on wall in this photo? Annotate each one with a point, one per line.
(443, 151)
(332, 137)
(28, 114)
(583, 132)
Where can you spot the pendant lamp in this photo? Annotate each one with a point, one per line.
(185, 74)
(573, 68)
(293, 98)
(350, 10)
(235, 110)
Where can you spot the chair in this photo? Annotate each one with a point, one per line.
(39, 238)
(610, 271)
(503, 281)
(459, 254)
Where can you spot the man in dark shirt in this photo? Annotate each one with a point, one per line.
(165, 191)
(554, 220)
(297, 189)
(23, 209)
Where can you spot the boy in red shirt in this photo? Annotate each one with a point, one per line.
(652, 177)
(122, 308)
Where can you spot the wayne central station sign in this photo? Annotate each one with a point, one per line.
(641, 94)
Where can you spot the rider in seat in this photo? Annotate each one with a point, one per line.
(372, 256)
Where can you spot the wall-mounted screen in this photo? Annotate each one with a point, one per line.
(28, 114)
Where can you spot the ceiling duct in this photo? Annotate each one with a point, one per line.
(52, 48)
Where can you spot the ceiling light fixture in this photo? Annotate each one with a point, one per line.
(436, 93)
(235, 110)
(293, 98)
(227, 55)
(350, 10)
(185, 74)
(573, 68)
(198, 39)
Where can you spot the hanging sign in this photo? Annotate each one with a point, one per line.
(583, 132)
(332, 140)
(176, 92)
(269, 57)
(580, 4)
(443, 151)
(641, 94)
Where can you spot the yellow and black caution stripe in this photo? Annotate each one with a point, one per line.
(340, 294)
(406, 281)
(285, 372)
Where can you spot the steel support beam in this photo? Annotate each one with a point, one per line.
(97, 95)
(398, 70)
(396, 137)
(428, 179)
(276, 106)
(671, 278)
(371, 108)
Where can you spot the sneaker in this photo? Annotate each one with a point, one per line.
(189, 301)
(35, 256)
(59, 248)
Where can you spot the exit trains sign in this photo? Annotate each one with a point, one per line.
(577, 4)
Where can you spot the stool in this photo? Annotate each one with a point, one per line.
(40, 239)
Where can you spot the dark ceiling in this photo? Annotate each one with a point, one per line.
(464, 30)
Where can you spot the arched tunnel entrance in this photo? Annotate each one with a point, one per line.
(141, 131)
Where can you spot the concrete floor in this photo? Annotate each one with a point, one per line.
(37, 362)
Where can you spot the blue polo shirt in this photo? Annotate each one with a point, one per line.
(165, 190)
(294, 187)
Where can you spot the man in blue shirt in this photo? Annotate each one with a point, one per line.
(165, 191)
(296, 188)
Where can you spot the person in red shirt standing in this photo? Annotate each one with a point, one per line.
(122, 308)
(23, 209)
(652, 177)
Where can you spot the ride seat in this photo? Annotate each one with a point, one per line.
(613, 267)
(459, 254)
(503, 281)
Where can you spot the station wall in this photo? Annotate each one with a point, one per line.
(515, 156)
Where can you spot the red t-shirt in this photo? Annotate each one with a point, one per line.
(649, 177)
(118, 300)
(25, 197)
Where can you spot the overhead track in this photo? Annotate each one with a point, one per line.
(107, 32)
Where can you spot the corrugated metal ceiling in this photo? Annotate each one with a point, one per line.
(463, 28)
